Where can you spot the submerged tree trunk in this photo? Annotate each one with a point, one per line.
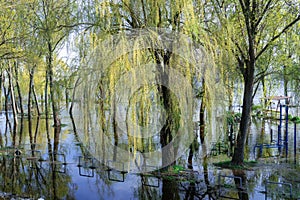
(101, 106)
(36, 101)
(202, 113)
(73, 97)
(46, 104)
(18, 89)
(54, 100)
(29, 93)
(12, 98)
(29, 106)
(168, 154)
(6, 104)
(115, 129)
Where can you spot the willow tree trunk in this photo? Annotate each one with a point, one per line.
(168, 154)
(202, 113)
(73, 97)
(18, 88)
(31, 92)
(12, 97)
(36, 101)
(55, 112)
(46, 101)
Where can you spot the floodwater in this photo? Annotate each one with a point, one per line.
(58, 166)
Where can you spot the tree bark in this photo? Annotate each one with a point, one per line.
(168, 154)
(46, 99)
(247, 68)
(6, 104)
(12, 95)
(29, 93)
(55, 112)
(18, 88)
(238, 155)
(36, 101)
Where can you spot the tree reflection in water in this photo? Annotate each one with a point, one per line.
(243, 194)
(45, 164)
(26, 174)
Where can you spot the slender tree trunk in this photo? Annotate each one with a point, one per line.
(55, 112)
(12, 95)
(29, 105)
(73, 97)
(101, 104)
(115, 130)
(18, 88)
(36, 101)
(36, 128)
(263, 83)
(6, 104)
(46, 100)
(67, 97)
(29, 93)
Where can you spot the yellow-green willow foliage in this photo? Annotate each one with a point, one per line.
(134, 44)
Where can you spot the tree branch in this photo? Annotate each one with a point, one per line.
(263, 14)
(255, 90)
(240, 50)
(277, 36)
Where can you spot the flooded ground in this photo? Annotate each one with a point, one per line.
(57, 166)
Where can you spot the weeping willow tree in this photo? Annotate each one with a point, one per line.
(144, 58)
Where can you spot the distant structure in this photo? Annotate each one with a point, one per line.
(274, 106)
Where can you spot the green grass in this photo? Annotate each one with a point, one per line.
(295, 119)
(247, 165)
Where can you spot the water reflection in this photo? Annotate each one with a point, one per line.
(56, 165)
